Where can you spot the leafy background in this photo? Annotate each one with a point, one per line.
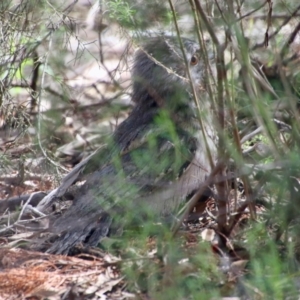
(65, 85)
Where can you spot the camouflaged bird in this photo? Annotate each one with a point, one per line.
(158, 157)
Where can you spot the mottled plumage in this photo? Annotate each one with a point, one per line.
(158, 156)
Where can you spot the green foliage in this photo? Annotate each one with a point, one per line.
(175, 273)
(139, 15)
(120, 11)
(272, 270)
(260, 84)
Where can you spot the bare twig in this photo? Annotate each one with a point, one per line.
(39, 112)
(34, 80)
(251, 12)
(287, 20)
(193, 201)
(25, 205)
(290, 40)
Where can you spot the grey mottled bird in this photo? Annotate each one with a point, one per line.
(158, 156)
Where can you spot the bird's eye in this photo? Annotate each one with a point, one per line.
(194, 60)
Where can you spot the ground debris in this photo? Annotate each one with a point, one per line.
(34, 275)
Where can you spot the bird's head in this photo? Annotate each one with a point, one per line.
(160, 71)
